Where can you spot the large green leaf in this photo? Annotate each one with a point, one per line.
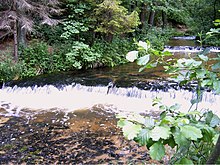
(214, 121)
(144, 45)
(160, 132)
(157, 151)
(200, 73)
(132, 56)
(203, 57)
(191, 132)
(131, 130)
(179, 138)
(149, 122)
(143, 137)
(143, 60)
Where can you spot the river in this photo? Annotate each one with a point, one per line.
(70, 117)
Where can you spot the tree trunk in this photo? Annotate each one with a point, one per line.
(15, 33)
(151, 17)
(22, 40)
(143, 15)
(164, 18)
(215, 154)
(109, 37)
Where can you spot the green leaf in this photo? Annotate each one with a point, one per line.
(167, 53)
(157, 151)
(144, 45)
(160, 132)
(216, 86)
(143, 137)
(142, 68)
(131, 130)
(149, 122)
(214, 121)
(200, 73)
(179, 138)
(216, 66)
(168, 120)
(203, 57)
(206, 82)
(132, 56)
(191, 132)
(215, 139)
(175, 107)
(121, 123)
(185, 161)
(143, 60)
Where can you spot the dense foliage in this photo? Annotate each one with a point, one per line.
(95, 33)
(187, 132)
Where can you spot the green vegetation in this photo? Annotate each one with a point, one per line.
(94, 33)
(187, 133)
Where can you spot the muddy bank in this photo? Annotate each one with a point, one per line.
(83, 137)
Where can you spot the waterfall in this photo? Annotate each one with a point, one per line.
(17, 100)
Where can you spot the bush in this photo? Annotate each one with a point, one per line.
(36, 59)
(9, 69)
(157, 36)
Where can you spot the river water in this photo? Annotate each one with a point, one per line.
(70, 117)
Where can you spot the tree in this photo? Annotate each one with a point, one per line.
(19, 16)
(112, 18)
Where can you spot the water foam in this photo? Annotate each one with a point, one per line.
(75, 97)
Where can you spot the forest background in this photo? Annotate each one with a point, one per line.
(63, 35)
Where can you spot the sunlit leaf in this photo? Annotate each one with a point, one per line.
(160, 132)
(142, 68)
(215, 139)
(203, 57)
(214, 121)
(157, 151)
(179, 138)
(149, 122)
(175, 107)
(206, 82)
(143, 136)
(200, 73)
(168, 120)
(167, 53)
(216, 86)
(132, 56)
(191, 132)
(143, 60)
(145, 45)
(131, 130)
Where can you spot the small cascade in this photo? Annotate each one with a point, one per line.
(190, 49)
(18, 100)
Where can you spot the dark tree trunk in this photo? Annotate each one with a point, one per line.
(143, 15)
(214, 8)
(164, 19)
(15, 33)
(22, 40)
(109, 37)
(215, 154)
(151, 18)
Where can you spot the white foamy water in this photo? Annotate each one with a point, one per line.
(76, 97)
(190, 49)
